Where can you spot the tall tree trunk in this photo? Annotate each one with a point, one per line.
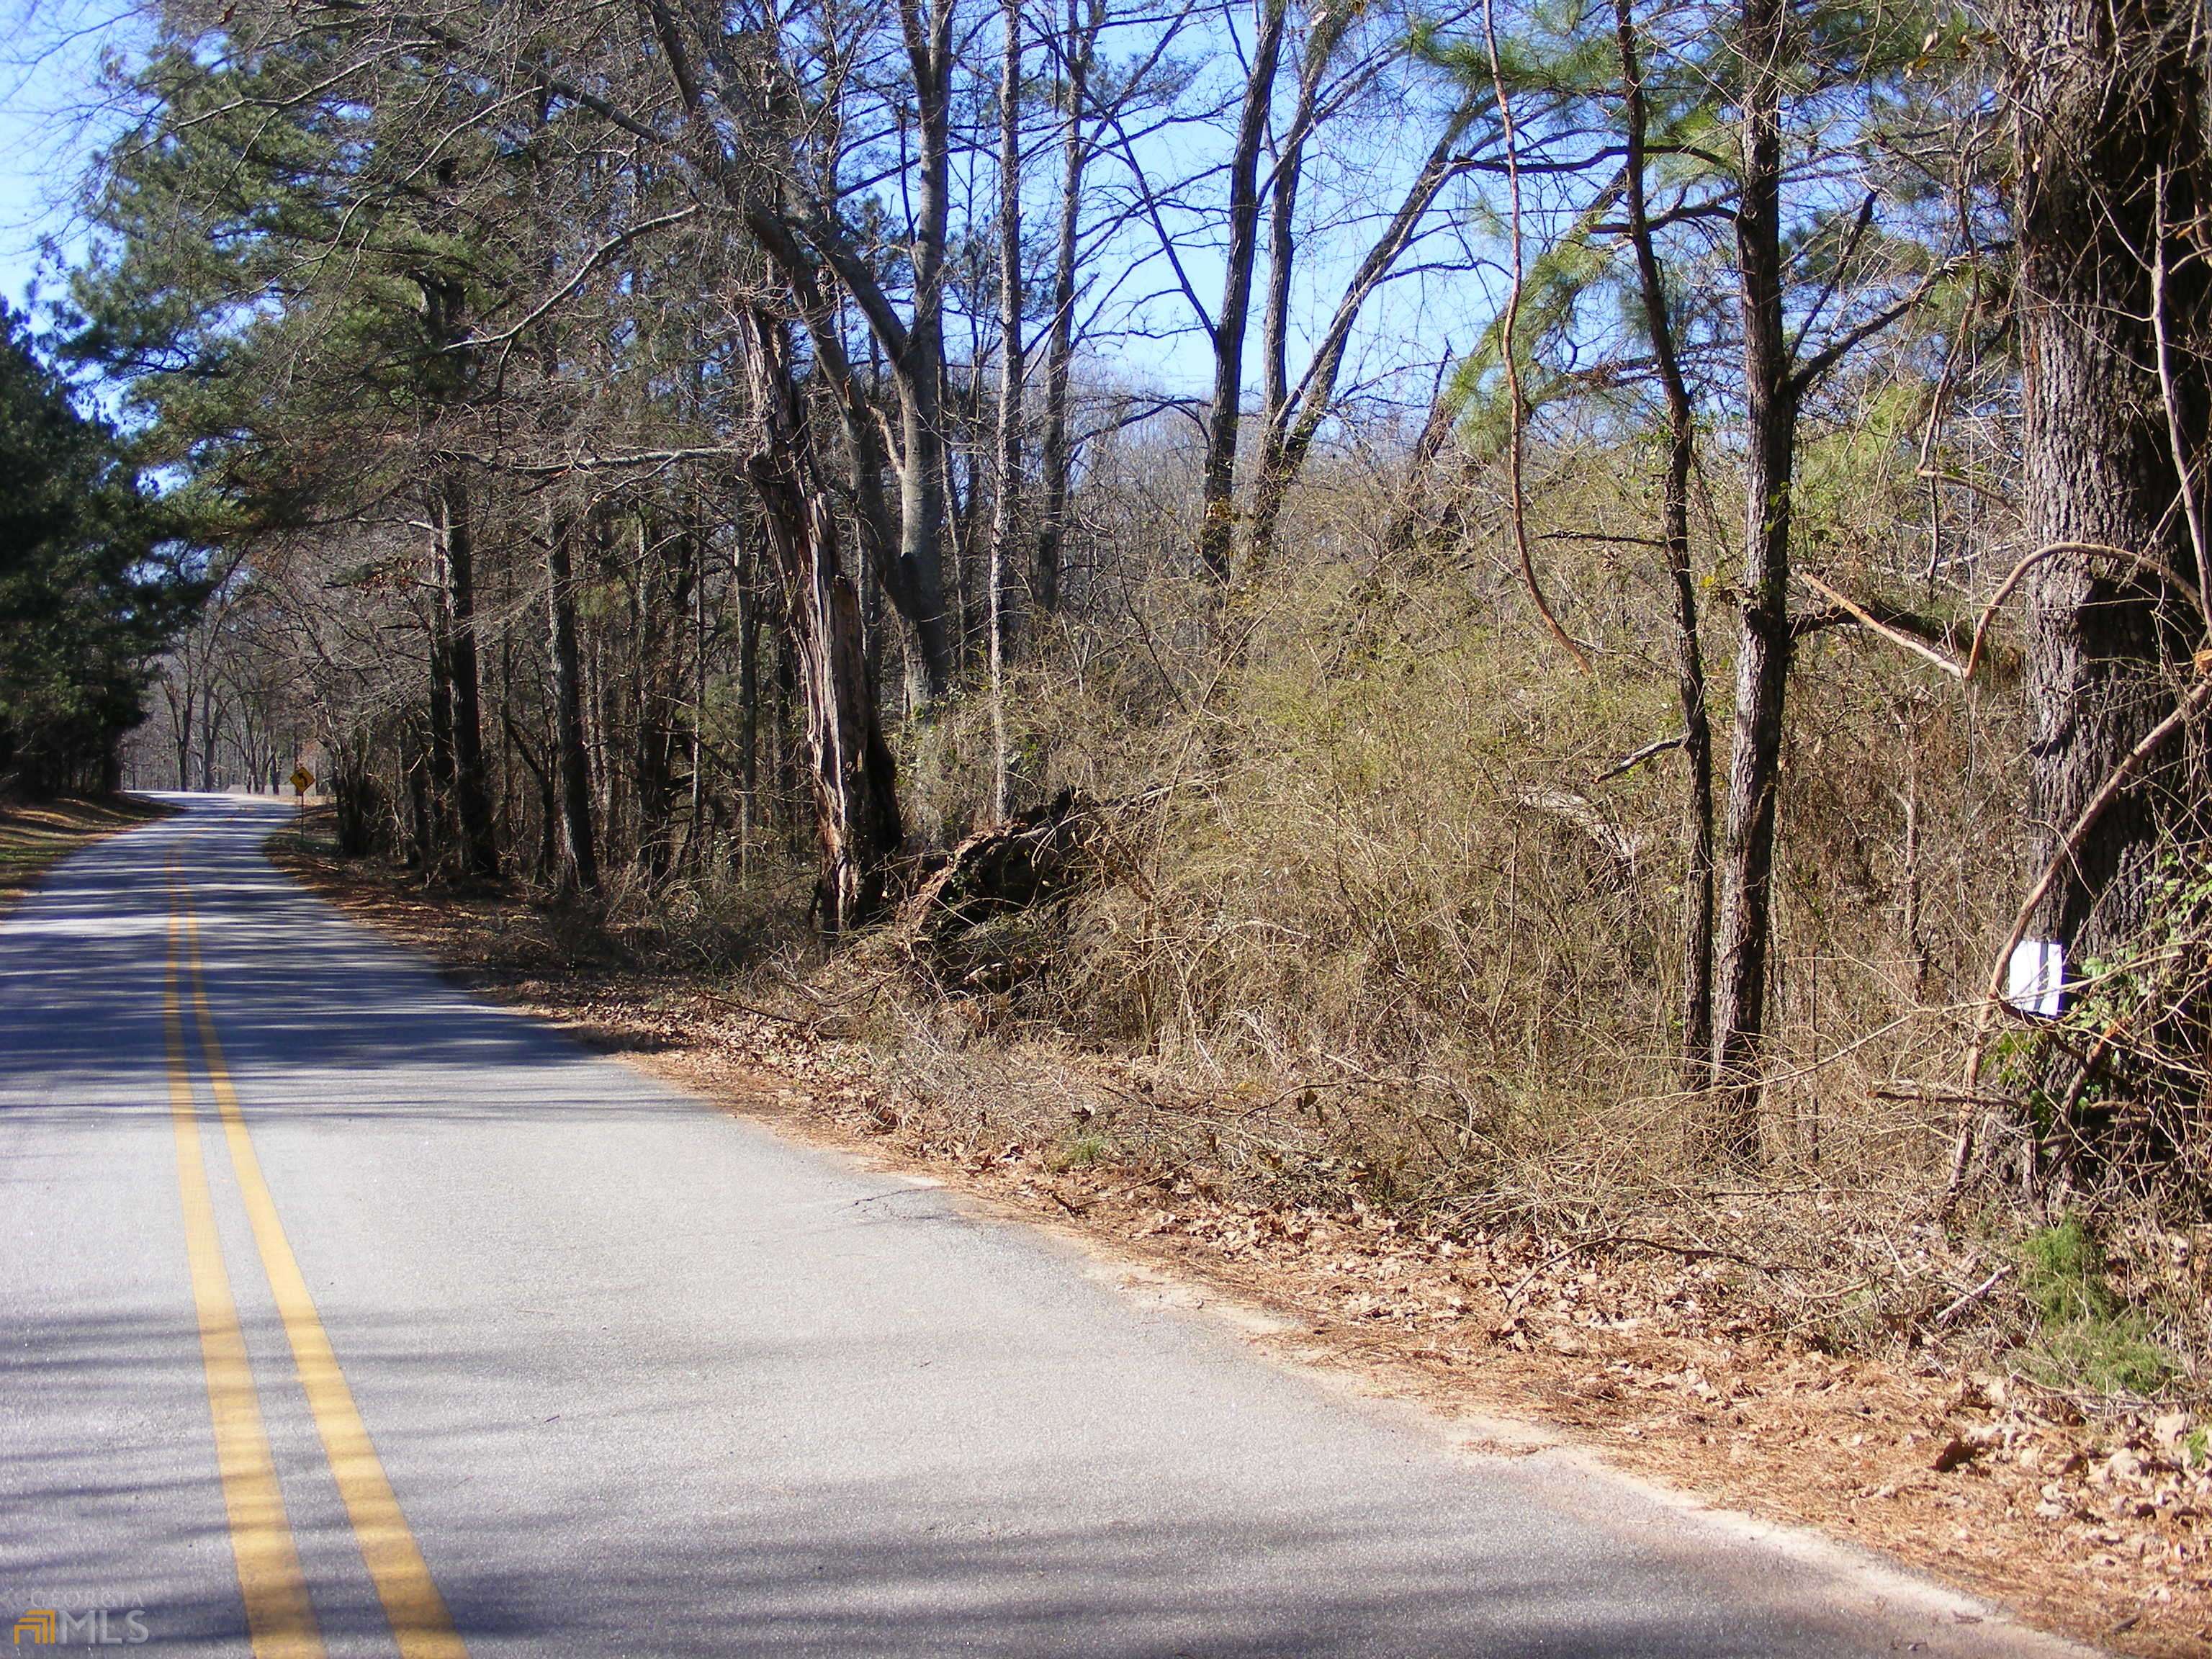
(549, 820)
(912, 578)
(908, 558)
(1763, 645)
(2109, 101)
(1005, 509)
(567, 778)
(1322, 41)
(571, 762)
(456, 720)
(1321, 46)
(353, 797)
(921, 364)
(695, 832)
(421, 810)
(854, 779)
(210, 735)
(799, 244)
(748, 697)
(663, 593)
(180, 729)
(1674, 532)
(456, 543)
(1080, 46)
(958, 409)
(438, 782)
(1217, 477)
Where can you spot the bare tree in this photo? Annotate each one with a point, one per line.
(1674, 535)
(1226, 329)
(1763, 640)
(1006, 520)
(1077, 48)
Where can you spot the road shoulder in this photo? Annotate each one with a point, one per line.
(1989, 1513)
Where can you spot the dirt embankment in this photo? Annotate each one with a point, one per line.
(2080, 1518)
(35, 834)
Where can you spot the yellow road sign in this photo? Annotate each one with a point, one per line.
(302, 779)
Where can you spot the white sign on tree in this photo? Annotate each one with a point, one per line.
(2035, 977)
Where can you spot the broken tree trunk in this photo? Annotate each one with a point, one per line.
(855, 781)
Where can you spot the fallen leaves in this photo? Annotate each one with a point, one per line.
(1644, 1348)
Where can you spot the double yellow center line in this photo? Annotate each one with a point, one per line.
(279, 1614)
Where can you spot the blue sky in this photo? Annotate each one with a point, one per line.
(26, 192)
(49, 123)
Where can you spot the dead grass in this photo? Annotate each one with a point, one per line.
(34, 836)
(1656, 1351)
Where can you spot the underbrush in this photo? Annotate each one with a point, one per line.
(2088, 1338)
(1375, 922)
(689, 923)
(1378, 921)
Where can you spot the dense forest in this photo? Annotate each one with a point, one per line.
(92, 584)
(1587, 603)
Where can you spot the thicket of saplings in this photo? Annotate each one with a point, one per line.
(1378, 918)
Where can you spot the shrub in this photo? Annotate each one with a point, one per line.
(2088, 1338)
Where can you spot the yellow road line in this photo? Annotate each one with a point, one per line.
(420, 1623)
(277, 1612)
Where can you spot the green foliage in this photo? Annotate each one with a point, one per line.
(2062, 1272)
(1860, 79)
(1083, 1151)
(84, 599)
(1557, 284)
(2088, 1337)
(258, 287)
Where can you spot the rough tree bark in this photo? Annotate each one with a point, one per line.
(1321, 43)
(2109, 104)
(1763, 645)
(1674, 532)
(456, 715)
(805, 240)
(855, 780)
(440, 784)
(921, 355)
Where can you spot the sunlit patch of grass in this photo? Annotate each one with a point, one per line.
(2087, 1336)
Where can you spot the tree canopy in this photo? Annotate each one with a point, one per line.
(88, 590)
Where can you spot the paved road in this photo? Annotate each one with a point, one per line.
(336, 1304)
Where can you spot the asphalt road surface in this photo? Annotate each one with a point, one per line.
(341, 1314)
